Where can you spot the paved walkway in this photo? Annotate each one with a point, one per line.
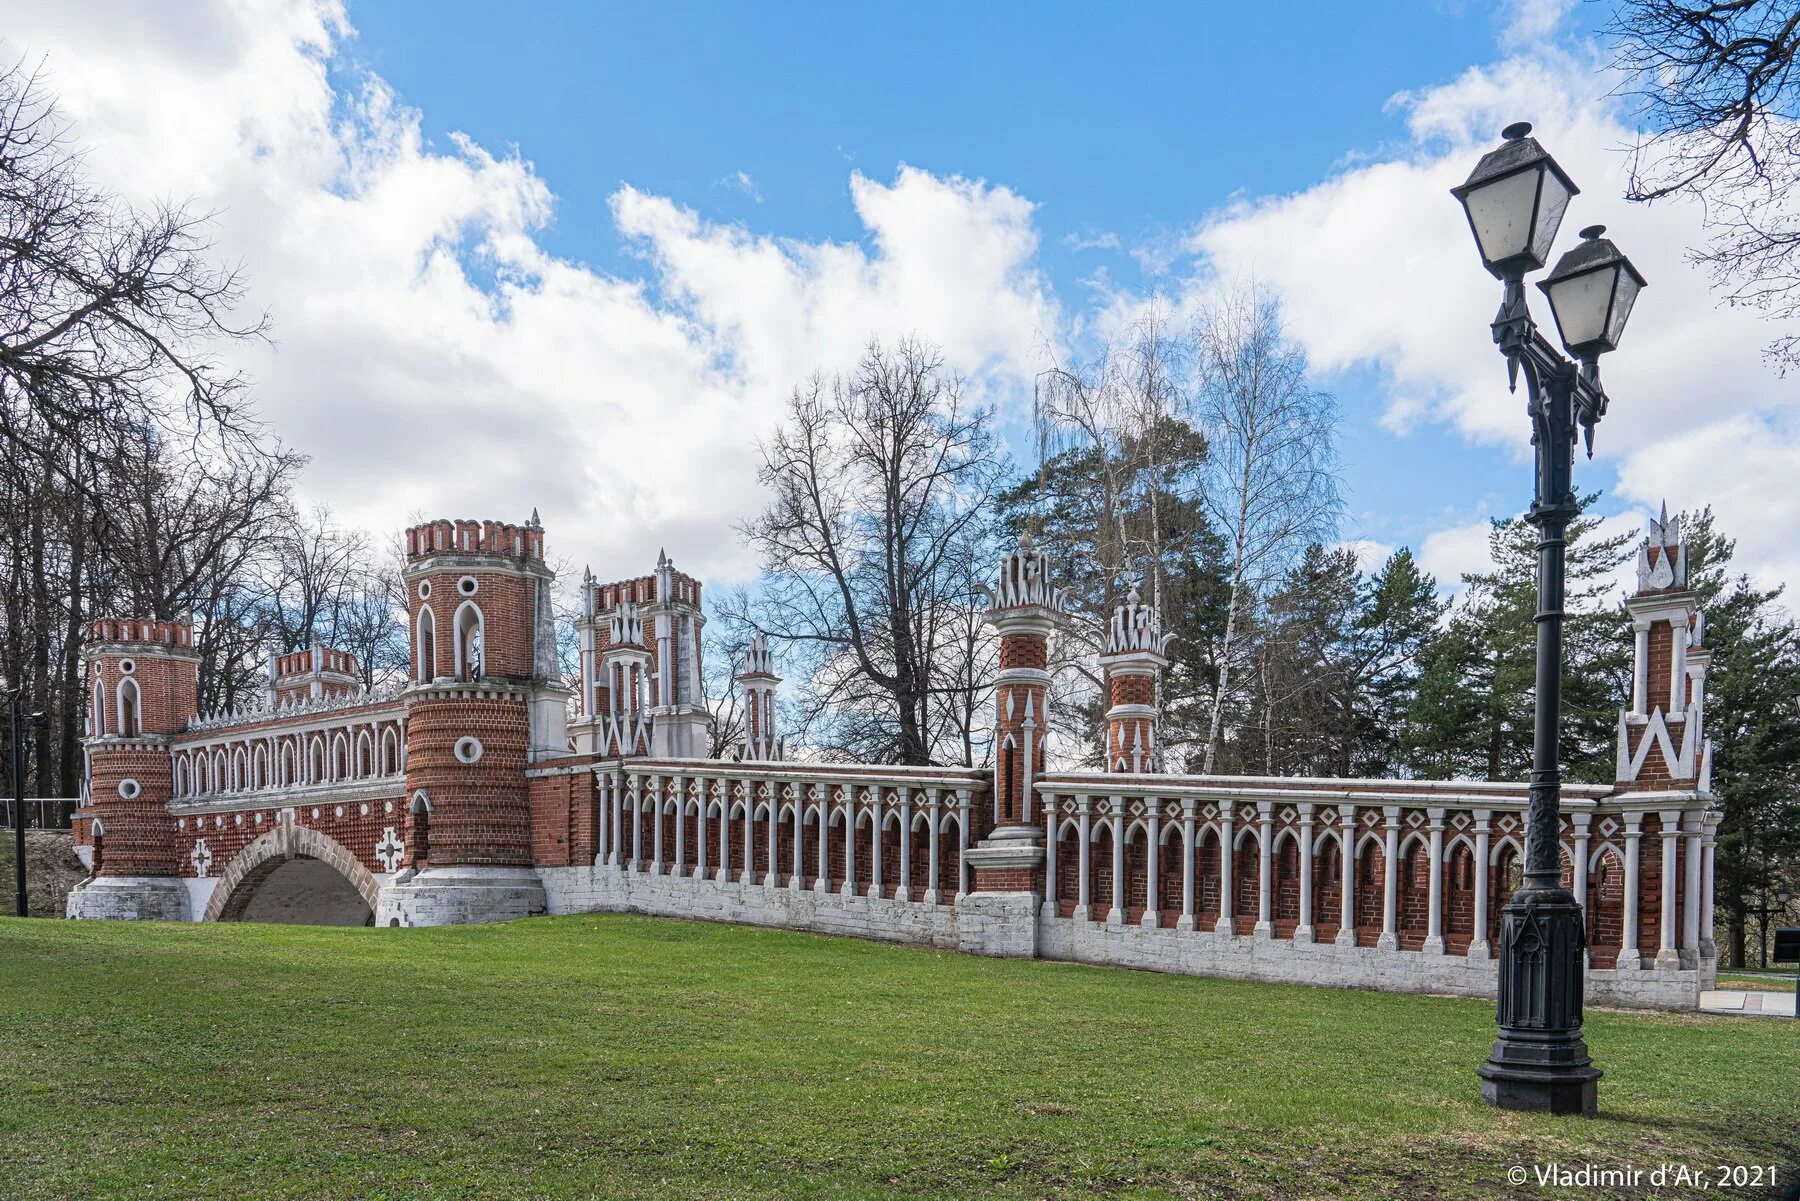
(1749, 1004)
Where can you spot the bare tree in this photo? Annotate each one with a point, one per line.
(106, 312)
(1719, 84)
(1271, 468)
(881, 483)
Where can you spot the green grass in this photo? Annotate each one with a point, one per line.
(619, 1056)
(1754, 981)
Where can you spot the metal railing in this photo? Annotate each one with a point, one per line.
(41, 813)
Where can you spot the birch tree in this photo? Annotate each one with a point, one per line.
(1271, 467)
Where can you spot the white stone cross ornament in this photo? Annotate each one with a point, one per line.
(202, 858)
(389, 850)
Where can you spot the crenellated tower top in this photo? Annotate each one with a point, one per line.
(461, 537)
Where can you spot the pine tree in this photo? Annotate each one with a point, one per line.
(1494, 658)
(1753, 688)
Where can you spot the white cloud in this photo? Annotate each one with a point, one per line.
(1450, 553)
(434, 359)
(1531, 22)
(1376, 267)
(741, 181)
(1370, 555)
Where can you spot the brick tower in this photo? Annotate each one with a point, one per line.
(1023, 608)
(1662, 736)
(143, 683)
(1134, 655)
(310, 675)
(484, 702)
(759, 682)
(640, 665)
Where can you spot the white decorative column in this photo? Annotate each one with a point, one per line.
(933, 815)
(1227, 923)
(1084, 818)
(1390, 878)
(1434, 904)
(1116, 915)
(1578, 860)
(822, 804)
(1153, 850)
(795, 881)
(963, 806)
(1346, 935)
(1640, 673)
(1265, 872)
(636, 798)
(877, 819)
(1694, 853)
(1052, 815)
(847, 800)
(748, 875)
(1186, 921)
(656, 832)
(1479, 947)
(718, 790)
(772, 877)
(1667, 956)
(1708, 950)
(1630, 956)
(1304, 931)
(700, 831)
(903, 889)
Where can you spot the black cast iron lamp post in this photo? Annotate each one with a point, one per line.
(1515, 200)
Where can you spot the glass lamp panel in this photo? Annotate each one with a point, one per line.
(1553, 201)
(1580, 304)
(1624, 296)
(1501, 215)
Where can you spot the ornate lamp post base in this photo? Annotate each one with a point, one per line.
(1539, 1062)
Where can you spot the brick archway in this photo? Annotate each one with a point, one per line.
(270, 850)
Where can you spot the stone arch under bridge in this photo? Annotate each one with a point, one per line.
(295, 874)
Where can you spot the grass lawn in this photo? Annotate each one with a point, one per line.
(607, 1056)
(1755, 981)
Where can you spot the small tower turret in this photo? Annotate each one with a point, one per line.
(642, 675)
(1132, 658)
(1023, 608)
(143, 688)
(312, 674)
(1662, 736)
(759, 682)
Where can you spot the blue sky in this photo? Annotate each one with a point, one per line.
(1125, 128)
(575, 259)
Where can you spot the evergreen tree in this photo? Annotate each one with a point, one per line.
(1753, 688)
(1492, 655)
(1107, 521)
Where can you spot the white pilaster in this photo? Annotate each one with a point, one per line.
(1084, 819)
(1304, 931)
(1630, 956)
(1390, 878)
(1479, 947)
(1346, 935)
(1227, 923)
(1153, 849)
(1186, 921)
(1434, 907)
(1116, 915)
(1667, 955)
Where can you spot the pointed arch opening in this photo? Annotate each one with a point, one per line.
(130, 708)
(425, 646)
(470, 642)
